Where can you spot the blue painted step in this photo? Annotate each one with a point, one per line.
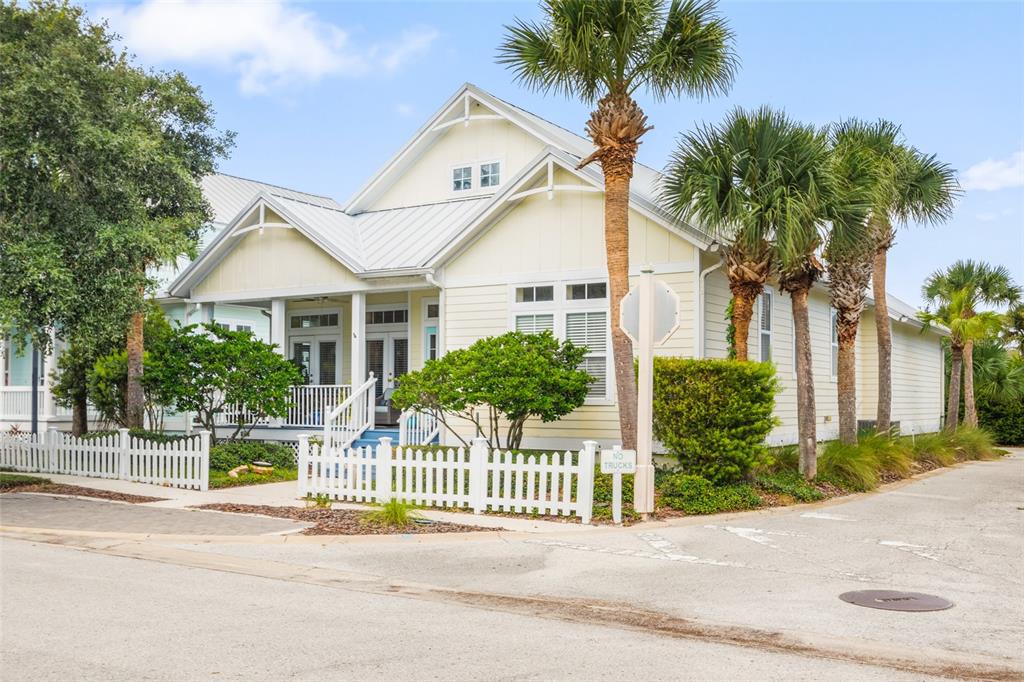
(372, 437)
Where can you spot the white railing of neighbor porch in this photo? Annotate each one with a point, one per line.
(310, 404)
(346, 422)
(417, 428)
(16, 401)
(480, 479)
(182, 463)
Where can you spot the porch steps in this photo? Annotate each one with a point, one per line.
(372, 437)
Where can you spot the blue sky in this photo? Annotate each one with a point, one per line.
(322, 94)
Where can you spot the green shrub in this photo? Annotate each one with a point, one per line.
(934, 448)
(890, 454)
(848, 466)
(230, 454)
(973, 444)
(697, 495)
(603, 494)
(1004, 419)
(781, 458)
(143, 434)
(714, 415)
(790, 483)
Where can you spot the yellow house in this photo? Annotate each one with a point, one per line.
(479, 225)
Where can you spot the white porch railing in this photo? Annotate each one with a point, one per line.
(16, 402)
(481, 479)
(310, 404)
(417, 428)
(346, 422)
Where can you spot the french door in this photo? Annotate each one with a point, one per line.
(387, 356)
(318, 357)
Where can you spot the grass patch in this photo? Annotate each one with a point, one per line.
(973, 444)
(933, 449)
(220, 479)
(392, 514)
(697, 495)
(15, 480)
(789, 483)
(891, 455)
(851, 467)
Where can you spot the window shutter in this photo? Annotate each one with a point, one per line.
(588, 329)
(535, 324)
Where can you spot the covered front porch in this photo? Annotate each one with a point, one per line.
(340, 341)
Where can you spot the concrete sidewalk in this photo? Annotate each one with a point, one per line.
(286, 495)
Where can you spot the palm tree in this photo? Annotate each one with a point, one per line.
(604, 51)
(958, 292)
(912, 186)
(1013, 328)
(760, 183)
(849, 252)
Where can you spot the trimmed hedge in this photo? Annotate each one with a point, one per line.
(143, 434)
(697, 495)
(714, 415)
(1004, 419)
(230, 454)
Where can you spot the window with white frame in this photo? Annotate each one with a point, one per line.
(490, 174)
(586, 291)
(833, 323)
(397, 316)
(535, 294)
(574, 312)
(243, 327)
(316, 320)
(462, 178)
(590, 329)
(535, 323)
(765, 326)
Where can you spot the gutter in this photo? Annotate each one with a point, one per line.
(699, 326)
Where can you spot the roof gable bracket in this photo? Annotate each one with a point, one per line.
(551, 187)
(261, 224)
(466, 116)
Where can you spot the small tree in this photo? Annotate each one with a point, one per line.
(209, 370)
(499, 382)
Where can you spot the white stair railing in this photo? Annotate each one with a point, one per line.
(417, 428)
(346, 422)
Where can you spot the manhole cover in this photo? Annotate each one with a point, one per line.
(892, 600)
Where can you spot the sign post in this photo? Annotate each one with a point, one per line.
(616, 463)
(649, 314)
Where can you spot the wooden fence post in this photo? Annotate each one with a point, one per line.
(124, 455)
(51, 449)
(383, 471)
(478, 474)
(585, 482)
(204, 460)
(303, 463)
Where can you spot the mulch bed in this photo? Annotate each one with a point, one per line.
(62, 489)
(339, 521)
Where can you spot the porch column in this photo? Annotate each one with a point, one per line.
(442, 337)
(48, 362)
(278, 325)
(206, 313)
(358, 348)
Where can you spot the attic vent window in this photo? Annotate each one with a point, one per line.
(462, 178)
(490, 174)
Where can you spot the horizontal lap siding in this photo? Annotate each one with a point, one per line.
(916, 379)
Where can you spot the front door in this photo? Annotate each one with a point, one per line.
(387, 356)
(318, 356)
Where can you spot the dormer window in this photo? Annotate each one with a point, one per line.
(462, 178)
(490, 174)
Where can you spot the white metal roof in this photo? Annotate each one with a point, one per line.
(228, 194)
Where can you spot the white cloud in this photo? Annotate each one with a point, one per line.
(267, 44)
(992, 174)
(404, 110)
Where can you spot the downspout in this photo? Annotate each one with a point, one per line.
(442, 341)
(700, 298)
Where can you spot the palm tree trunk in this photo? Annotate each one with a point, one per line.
(616, 243)
(135, 409)
(970, 407)
(742, 310)
(883, 330)
(847, 381)
(806, 417)
(953, 400)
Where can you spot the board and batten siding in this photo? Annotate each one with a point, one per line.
(273, 260)
(429, 179)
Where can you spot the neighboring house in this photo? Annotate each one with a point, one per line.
(479, 225)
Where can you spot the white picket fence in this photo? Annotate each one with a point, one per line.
(480, 479)
(183, 463)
